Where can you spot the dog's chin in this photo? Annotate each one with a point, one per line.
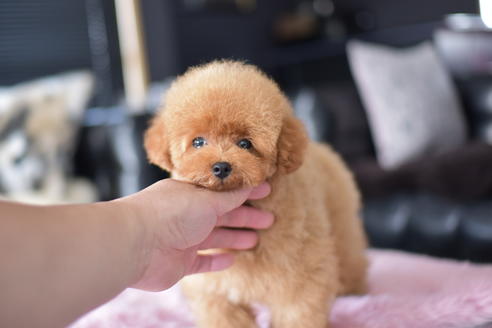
(222, 185)
(216, 184)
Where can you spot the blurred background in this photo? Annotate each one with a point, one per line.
(401, 89)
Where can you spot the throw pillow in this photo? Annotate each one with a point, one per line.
(411, 103)
(39, 120)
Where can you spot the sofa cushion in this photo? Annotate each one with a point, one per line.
(461, 174)
(39, 120)
(411, 103)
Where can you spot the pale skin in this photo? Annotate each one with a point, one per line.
(59, 262)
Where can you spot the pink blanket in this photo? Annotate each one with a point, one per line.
(405, 291)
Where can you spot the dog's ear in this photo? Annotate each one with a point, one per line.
(291, 145)
(156, 145)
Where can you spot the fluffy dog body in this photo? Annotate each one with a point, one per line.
(315, 249)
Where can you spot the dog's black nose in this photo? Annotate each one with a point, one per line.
(222, 169)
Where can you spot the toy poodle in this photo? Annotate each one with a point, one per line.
(226, 125)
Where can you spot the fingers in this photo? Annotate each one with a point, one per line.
(246, 217)
(207, 263)
(260, 191)
(224, 202)
(187, 214)
(231, 239)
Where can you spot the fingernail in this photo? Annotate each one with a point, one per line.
(248, 241)
(260, 191)
(222, 262)
(266, 221)
(269, 218)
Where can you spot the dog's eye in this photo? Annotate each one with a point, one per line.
(199, 142)
(244, 143)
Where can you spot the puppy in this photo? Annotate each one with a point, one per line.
(225, 125)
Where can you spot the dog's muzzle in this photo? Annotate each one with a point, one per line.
(221, 169)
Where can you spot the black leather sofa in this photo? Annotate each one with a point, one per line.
(438, 205)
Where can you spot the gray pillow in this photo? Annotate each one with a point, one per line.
(39, 120)
(411, 103)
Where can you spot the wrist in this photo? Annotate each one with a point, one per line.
(136, 239)
(142, 215)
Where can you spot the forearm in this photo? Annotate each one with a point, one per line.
(58, 262)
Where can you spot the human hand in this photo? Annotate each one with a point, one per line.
(82, 255)
(180, 219)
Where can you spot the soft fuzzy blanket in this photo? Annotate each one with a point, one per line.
(405, 291)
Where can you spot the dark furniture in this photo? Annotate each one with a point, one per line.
(439, 206)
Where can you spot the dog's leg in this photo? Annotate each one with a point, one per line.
(216, 311)
(306, 301)
(351, 244)
(353, 275)
(310, 308)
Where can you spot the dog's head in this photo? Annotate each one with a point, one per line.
(225, 125)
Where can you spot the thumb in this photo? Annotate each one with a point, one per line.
(224, 202)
